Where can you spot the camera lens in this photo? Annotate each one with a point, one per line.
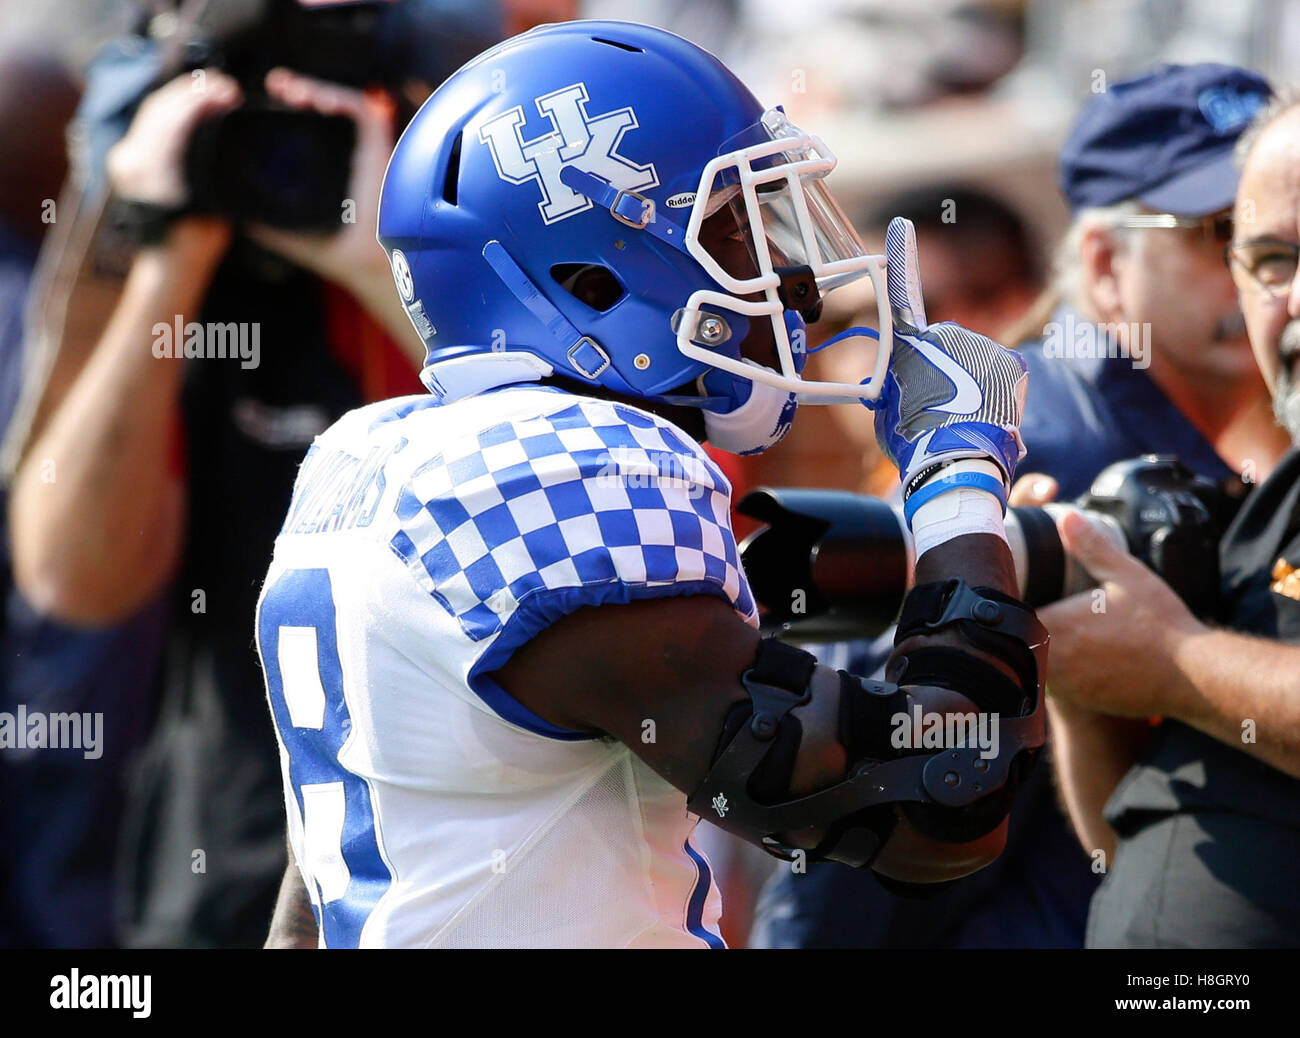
(834, 566)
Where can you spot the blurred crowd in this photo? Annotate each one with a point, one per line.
(1051, 167)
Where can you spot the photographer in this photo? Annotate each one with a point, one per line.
(1140, 346)
(171, 477)
(1201, 834)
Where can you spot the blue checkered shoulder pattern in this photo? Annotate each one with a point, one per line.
(595, 503)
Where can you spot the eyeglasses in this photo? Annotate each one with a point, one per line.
(1215, 227)
(1270, 262)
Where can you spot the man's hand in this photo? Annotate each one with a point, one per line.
(1131, 649)
(351, 252)
(147, 165)
(1033, 490)
(1091, 751)
(102, 541)
(1114, 647)
(949, 393)
(350, 257)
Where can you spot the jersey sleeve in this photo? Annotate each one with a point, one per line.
(596, 503)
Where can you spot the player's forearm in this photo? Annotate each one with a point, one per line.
(1091, 752)
(293, 925)
(96, 508)
(1242, 691)
(982, 560)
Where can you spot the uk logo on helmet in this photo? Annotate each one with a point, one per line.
(589, 142)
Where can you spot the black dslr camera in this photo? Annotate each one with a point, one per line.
(832, 566)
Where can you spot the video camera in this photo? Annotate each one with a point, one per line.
(264, 162)
(833, 566)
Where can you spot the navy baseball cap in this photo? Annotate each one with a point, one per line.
(1165, 137)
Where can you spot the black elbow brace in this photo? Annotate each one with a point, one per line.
(955, 794)
(1005, 628)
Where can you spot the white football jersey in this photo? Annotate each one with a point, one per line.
(425, 543)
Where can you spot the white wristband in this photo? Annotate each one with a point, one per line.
(958, 512)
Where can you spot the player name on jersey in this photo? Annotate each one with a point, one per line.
(337, 491)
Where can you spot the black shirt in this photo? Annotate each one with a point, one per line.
(1208, 834)
(203, 848)
(1184, 769)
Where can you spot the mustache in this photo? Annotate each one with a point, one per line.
(1288, 343)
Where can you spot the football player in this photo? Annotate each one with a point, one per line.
(510, 651)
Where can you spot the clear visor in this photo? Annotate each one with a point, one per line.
(763, 207)
(820, 242)
(771, 178)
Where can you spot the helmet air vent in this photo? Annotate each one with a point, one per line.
(451, 179)
(620, 46)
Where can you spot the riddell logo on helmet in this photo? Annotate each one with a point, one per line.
(590, 143)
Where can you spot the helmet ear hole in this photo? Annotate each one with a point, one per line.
(589, 283)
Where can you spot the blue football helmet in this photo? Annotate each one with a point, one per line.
(607, 202)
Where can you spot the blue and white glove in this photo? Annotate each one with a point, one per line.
(949, 393)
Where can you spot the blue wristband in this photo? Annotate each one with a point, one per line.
(962, 480)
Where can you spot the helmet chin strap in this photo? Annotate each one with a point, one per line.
(526, 291)
(703, 402)
(757, 422)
